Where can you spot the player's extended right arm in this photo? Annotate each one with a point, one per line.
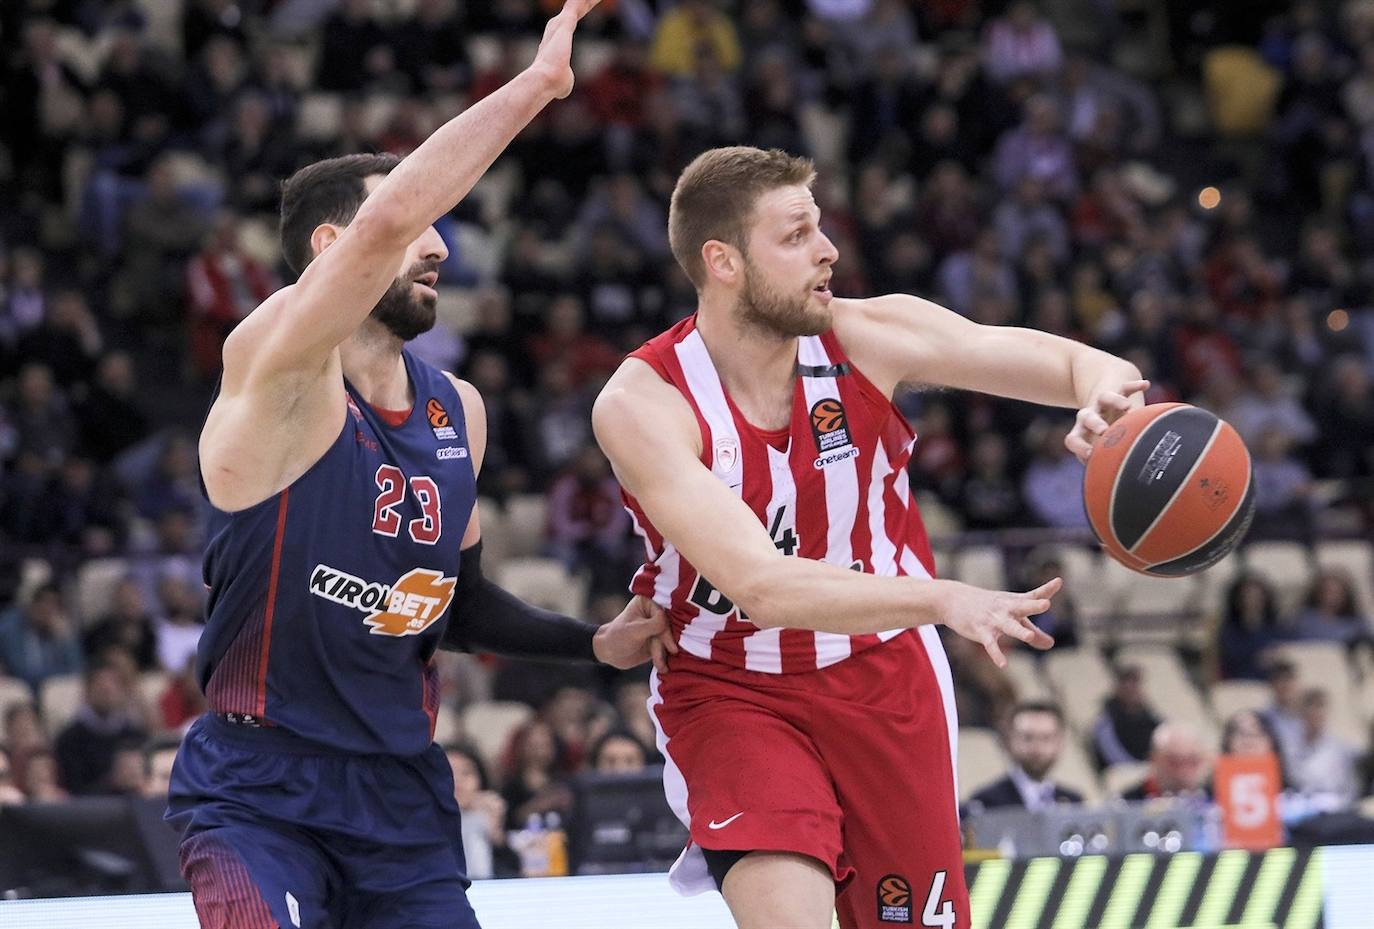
(651, 437)
(338, 290)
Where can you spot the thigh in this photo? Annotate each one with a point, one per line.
(415, 887)
(742, 777)
(765, 890)
(892, 763)
(247, 876)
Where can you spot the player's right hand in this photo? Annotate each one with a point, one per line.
(553, 61)
(984, 616)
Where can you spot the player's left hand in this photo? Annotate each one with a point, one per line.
(1106, 408)
(639, 634)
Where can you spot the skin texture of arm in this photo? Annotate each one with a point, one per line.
(280, 402)
(650, 435)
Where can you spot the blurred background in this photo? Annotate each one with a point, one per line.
(1187, 184)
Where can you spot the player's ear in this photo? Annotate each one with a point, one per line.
(723, 262)
(325, 235)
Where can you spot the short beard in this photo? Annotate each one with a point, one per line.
(404, 314)
(786, 317)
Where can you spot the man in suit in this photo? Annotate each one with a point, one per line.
(1035, 740)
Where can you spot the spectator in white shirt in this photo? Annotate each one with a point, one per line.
(1325, 764)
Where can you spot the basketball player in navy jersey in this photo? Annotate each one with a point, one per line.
(808, 724)
(346, 550)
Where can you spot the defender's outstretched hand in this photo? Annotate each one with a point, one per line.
(554, 59)
(639, 634)
(984, 616)
(1106, 408)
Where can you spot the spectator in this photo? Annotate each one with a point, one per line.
(86, 748)
(22, 299)
(1035, 741)
(182, 702)
(41, 783)
(129, 625)
(224, 284)
(158, 759)
(23, 732)
(632, 706)
(1021, 44)
(128, 771)
(1272, 405)
(1345, 419)
(989, 497)
(38, 639)
(533, 785)
(1123, 731)
(112, 416)
(1061, 620)
(618, 752)
(1037, 149)
(182, 620)
(42, 419)
(68, 341)
(1331, 613)
(10, 794)
(1284, 712)
(1249, 629)
(431, 48)
(162, 231)
(1053, 482)
(1248, 733)
(354, 51)
(1283, 490)
(1178, 765)
(588, 525)
(685, 31)
(484, 815)
(1323, 763)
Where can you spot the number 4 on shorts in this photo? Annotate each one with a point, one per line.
(938, 912)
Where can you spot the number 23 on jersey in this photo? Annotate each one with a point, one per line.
(391, 492)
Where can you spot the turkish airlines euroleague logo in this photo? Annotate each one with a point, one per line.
(894, 899)
(408, 607)
(439, 420)
(830, 427)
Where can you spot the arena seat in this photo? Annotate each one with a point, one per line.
(12, 691)
(1136, 595)
(448, 725)
(526, 524)
(1026, 677)
(321, 115)
(1082, 681)
(981, 759)
(1119, 778)
(1356, 559)
(1286, 565)
(1231, 697)
(981, 566)
(151, 686)
(60, 698)
(1075, 770)
(1169, 689)
(1324, 665)
(95, 586)
(495, 535)
(488, 726)
(543, 582)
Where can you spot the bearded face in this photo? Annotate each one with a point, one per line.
(782, 313)
(408, 308)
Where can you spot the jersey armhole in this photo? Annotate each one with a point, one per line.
(651, 356)
(881, 404)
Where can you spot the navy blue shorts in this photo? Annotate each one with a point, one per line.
(283, 834)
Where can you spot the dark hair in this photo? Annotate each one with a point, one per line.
(1038, 706)
(1229, 730)
(594, 756)
(715, 196)
(469, 751)
(1347, 609)
(1233, 614)
(329, 191)
(1280, 667)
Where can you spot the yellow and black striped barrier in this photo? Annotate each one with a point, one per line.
(1277, 889)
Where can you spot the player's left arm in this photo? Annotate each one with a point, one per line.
(487, 618)
(905, 339)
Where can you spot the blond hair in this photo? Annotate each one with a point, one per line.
(715, 196)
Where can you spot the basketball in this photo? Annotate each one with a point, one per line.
(1168, 489)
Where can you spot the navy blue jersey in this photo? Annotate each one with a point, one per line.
(328, 600)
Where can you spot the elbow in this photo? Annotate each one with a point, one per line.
(755, 596)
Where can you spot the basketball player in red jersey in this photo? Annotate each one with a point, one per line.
(808, 723)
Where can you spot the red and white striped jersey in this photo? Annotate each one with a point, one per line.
(832, 486)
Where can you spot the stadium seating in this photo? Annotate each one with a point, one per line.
(1082, 680)
(489, 725)
(1231, 697)
(1286, 565)
(526, 521)
(95, 586)
(1354, 558)
(12, 691)
(544, 582)
(59, 699)
(1119, 778)
(981, 759)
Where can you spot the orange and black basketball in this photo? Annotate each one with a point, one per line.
(827, 416)
(1168, 489)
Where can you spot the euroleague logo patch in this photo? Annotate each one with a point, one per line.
(830, 426)
(408, 607)
(894, 899)
(439, 421)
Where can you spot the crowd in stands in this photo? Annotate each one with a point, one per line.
(1188, 185)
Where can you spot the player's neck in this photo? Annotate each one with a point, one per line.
(373, 364)
(756, 368)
